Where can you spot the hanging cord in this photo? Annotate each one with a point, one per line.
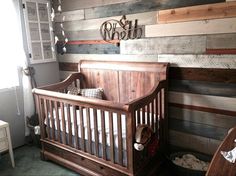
(29, 71)
(17, 102)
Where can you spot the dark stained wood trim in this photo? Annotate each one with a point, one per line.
(203, 74)
(221, 51)
(204, 109)
(65, 66)
(198, 129)
(203, 87)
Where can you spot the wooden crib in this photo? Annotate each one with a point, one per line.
(96, 136)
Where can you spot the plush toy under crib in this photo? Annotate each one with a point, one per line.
(142, 136)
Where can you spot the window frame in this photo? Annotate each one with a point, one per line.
(41, 42)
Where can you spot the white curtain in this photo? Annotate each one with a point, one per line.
(13, 54)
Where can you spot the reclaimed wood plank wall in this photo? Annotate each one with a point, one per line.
(199, 42)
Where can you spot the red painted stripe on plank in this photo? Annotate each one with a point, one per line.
(204, 109)
(87, 42)
(221, 51)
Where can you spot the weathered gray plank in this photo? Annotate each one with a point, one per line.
(198, 129)
(69, 16)
(69, 5)
(207, 101)
(80, 35)
(193, 142)
(91, 49)
(215, 26)
(221, 41)
(204, 88)
(212, 119)
(75, 58)
(78, 25)
(202, 61)
(165, 45)
(140, 6)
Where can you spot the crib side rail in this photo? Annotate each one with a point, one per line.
(94, 127)
(151, 110)
(62, 86)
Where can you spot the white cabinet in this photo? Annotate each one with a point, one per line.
(5, 140)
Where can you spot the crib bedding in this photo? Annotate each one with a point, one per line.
(92, 125)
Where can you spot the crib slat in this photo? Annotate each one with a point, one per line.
(81, 127)
(57, 122)
(96, 132)
(63, 123)
(75, 127)
(160, 115)
(47, 118)
(103, 135)
(89, 130)
(148, 115)
(120, 142)
(152, 114)
(157, 114)
(143, 115)
(138, 116)
(41, 112)
(52, 120)
(111, 134)
(69, 125)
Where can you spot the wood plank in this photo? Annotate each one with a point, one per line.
(93, 34)
(215, 102)
(87, 42)
(88, 34)
(165, 45)
(202, 61)
(204, 109)
(206, 118)
(203, 74)
(215, 26)
(75, 58)
(146, 18)
(64, 74)
(193, 142)
(90, 49)
(221, 51)
(198, 129)
(221, 41)
(69, 5)
(69, 16)
(203, 87)
(68, 66)
(140, 6)
(201, 12)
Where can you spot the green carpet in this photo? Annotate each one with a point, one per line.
(28, 163)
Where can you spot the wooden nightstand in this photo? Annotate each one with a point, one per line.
(5, 140)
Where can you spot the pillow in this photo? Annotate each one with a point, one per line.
(92, 93)
(72, 90)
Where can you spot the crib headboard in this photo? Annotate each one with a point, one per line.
(122, 81)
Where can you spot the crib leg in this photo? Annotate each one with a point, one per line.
(42, 156)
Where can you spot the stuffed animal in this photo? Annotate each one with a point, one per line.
(142, 136)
